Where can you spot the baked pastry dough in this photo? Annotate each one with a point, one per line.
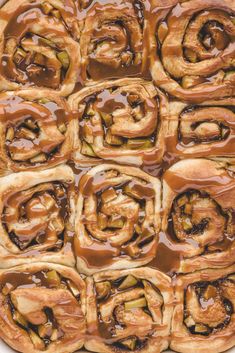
(117, 218)
(111, 39)
(83, 4)
(192, 48)
(42, 308)
(119, 121)
(129, 310)
(198, 207)
(117, 173)
(37, 130)
(206, 130)
(38, 45)
(37, 214)
(203, 318)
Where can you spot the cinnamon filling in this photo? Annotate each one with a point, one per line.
(125, 312)
(37, 216)
(117, 119)
(209, 306)
(118, 211)
(32, 307)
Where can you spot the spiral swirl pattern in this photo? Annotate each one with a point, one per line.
(201, 131)
(36, 217)
(112, 40)
(38, 45)
(192, 48)
(44, 307)
(117, 173)
(119, 121)
(204, 316)
(198, 213)
(36, 132)
(117, 217)
(125, 311)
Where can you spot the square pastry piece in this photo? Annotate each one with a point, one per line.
(198, 213)
(36, 217)
(117, 218)
(204, 318)
(129, 310)
(42, 308)
(120, 121)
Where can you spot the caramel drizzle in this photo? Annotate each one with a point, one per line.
(36, 218)
(119, 122)
(201, 131)
(118, 215)
(201, 217)
(48, 318)
(34, 53)
(112, 39)
(35, 132)
(193, 49)
(128, 310)
(209, 306)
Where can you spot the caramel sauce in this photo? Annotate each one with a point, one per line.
(26, 69)
(25, 279)
(166, 252)
(169, 251)
(167, 256)
(44, 278)
(111, 113)
(218, 185)
(124, 37)
(99, 71)
(20, 149)
(29, 207)
(222, 116)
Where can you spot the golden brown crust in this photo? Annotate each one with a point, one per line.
(197, 213)
(41, 48)
(33, 224)
(205, 130)
(117, 172)
(28, 294)
(146, 328)
(119, 121)
(111, 39)
(204, 302)
(37, 130)
(117, 218)
(185, 60)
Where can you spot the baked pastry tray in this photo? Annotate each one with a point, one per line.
(117, 176)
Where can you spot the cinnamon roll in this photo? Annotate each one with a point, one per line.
(117, 218)
(112, 39)
(37, 215)
(204, 313)
(42, 308)
(38, 45)
(36, 129)
(119, 121)
(206, 130)
(192, 48)
(198, 213)
(129, 310)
